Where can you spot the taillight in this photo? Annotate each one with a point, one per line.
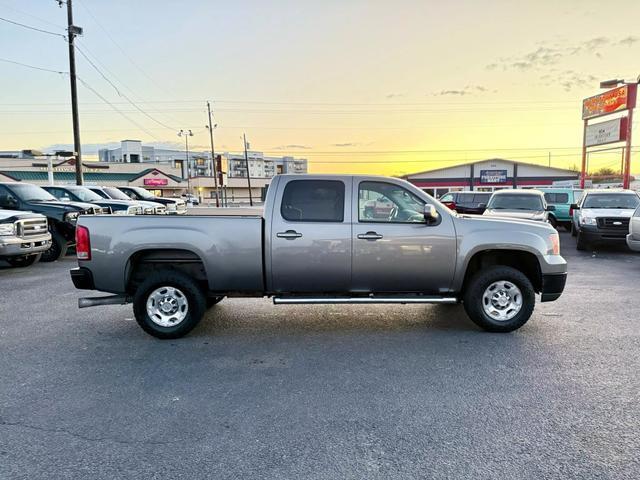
(83, 244)
(451, 205)
(571, 211)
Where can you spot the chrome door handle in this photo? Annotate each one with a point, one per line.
(289, 234)
(370, 236)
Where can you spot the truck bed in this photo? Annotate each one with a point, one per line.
(230, 247)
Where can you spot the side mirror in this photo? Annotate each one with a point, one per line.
(7, 201)
(574, 206)
(551, 208)
(431, 215)
(482, 205)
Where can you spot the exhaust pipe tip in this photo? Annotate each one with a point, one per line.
(87, 302)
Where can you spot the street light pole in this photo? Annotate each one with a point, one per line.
(213, 155)
(246, 160)
(186, 134)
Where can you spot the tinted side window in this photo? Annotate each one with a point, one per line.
(313, 201)
(550, 197)
(481, 197)
(465, 198)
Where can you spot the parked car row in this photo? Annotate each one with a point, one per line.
(39, 223)
(592, 216)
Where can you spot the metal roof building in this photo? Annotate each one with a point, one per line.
(489, 175)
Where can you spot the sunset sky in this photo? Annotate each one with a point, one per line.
(354, 86)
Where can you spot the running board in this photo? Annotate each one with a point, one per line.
(98, 301)
(369, 300)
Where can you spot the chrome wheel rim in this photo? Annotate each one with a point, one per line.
(167, 306)
(502, 300)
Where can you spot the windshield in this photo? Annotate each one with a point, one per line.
(611, 200)
(84, 194)
(142, 193)
(515, 201)
(116, 194)
(32, 193)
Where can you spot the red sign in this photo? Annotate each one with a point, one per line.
(155, 182)
(616, 100)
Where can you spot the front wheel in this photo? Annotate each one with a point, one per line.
(499, 299)
(24, 261)
(58, 248)
(581, 243)
(168, 304)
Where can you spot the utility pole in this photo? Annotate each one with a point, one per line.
(213, 156)
(246, 159)
(72, 32)
(549, 159)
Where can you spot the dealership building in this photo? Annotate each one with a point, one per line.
(490, 175)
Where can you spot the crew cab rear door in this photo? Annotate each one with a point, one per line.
(399, 252)
(310, 237)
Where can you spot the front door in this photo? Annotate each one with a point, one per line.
(394, 249)
(311, 236)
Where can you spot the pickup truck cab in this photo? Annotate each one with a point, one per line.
(313, 244)
(23, 237)
(61, 216)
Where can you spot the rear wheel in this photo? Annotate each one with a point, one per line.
(58, 248)
(574, 232)
(168, 304)
(24, 261)
(553, 221)
(499, 299)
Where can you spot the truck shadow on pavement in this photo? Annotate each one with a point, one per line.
(234, 317)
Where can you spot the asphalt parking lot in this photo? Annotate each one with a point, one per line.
(323, 392)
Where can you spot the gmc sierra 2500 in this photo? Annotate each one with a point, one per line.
(315, 244)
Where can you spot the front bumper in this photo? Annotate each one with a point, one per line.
(552, 286)
(17, 246)
(82, 278)
(594, 234)
(633, 243)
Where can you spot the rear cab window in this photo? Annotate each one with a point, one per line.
(313, 201)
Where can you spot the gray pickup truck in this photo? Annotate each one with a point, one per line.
(315, 244)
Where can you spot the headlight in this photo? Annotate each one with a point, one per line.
(587, 220)
(7, 229)
(71, 217)
(161, 210)
(148, 211)
(171, 207)
(123, 212)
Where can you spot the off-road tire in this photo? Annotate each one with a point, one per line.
(57, 250)
(196, 302)
(476, 286)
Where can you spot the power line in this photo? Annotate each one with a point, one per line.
(119, 92)
(124, 51)
(89, 87)
(33, 66)
(32, 28)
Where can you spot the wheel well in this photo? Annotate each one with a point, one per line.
(145, 262)
(524, 262)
